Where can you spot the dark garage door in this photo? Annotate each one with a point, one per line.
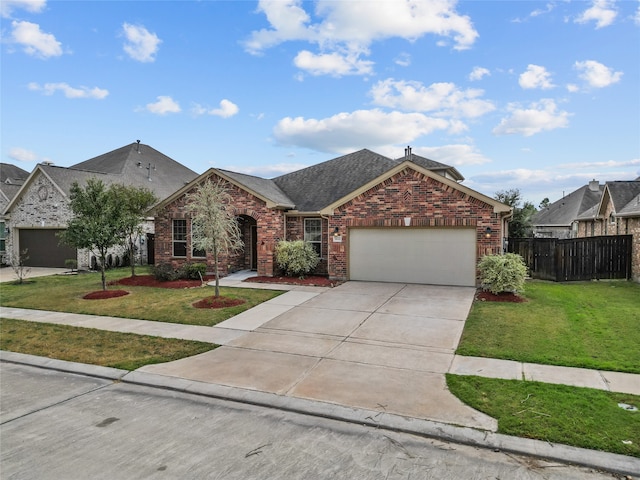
(45, 249)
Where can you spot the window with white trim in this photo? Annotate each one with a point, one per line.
(179, 238)
(313, 233)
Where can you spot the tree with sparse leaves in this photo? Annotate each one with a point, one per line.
(520, 224)
(136, 203)
(215, 228)
(98, 220)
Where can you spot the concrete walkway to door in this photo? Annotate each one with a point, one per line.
(382, 347)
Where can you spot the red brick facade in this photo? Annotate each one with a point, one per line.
(407, 194)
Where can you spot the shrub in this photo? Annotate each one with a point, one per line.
(164, 272)
(297, 258)
(502, 273)
(193, 271)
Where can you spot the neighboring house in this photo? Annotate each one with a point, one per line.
(368, 216)
(558, 220)
(11, 179)
(617, 213)
(41, 209)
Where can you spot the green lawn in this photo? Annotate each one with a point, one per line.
(63, 293)
(582, 417)
(583, 324)
(96, 347)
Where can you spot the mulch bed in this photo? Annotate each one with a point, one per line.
(103, 294)
(150, 281)
(500, 297)
(311, 281)
(220, 302)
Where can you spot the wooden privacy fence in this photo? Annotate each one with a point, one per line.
(590, 258)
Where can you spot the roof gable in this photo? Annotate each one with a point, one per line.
(620, 194)
(440, 168)
(498, 207)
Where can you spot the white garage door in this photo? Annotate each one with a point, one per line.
(435, 256)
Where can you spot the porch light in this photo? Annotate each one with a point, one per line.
(336, 232)
(487, 232)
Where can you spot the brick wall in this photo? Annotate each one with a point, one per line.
(270, 229)
(428, 202)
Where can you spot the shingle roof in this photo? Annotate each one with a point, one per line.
(622, 192)
(564, 211)
(262, 186)
(631, 209)
(139, 165)
(437, 167)
(313, 188)
(12, 174)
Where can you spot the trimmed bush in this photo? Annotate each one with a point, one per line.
(296, 258)
(164, 272)
(193, 271)
(502, 273)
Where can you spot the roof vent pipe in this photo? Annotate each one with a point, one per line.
(407, 153)
(594, 185)
(138, 148)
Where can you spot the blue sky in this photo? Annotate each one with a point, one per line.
(540, 96)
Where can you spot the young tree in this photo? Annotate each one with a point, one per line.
(136, 203)
(520, 224)
(215, 229)
(98, 220)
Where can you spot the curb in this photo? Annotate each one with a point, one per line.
(609, 462)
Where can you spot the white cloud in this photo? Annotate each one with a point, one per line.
(539, 117)
(404, 59)
(607, 164)
(601, 11)
(349, 28)
(34, 41)
(22, 155)
(163, 106)
(456, 155)
(141, 45)
(69, 91)
(335, 64)
(596, 74)
(346, 132)
(227, 109)
(444, 98)
(33, 6)
(535, 77)
(477, 73)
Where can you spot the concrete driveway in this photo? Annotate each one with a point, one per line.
(380, 346)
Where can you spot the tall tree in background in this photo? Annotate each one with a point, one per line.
(520, 225)
(214, 228)
(98, 220)
(136, 202)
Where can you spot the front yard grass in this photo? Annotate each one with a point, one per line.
(583, 324)
(96, 347)
(63, 293)
(582, 417)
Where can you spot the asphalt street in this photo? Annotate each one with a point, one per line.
(60, 425)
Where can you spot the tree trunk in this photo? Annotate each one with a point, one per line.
(215, 266)
(103, 262)
(131, 257)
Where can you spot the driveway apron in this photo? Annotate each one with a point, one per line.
(379, 346)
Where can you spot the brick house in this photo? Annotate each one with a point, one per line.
(368, 216)
(617, 213)
(11, 179)
(40, 207)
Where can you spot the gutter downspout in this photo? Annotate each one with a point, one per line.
(328, 244)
